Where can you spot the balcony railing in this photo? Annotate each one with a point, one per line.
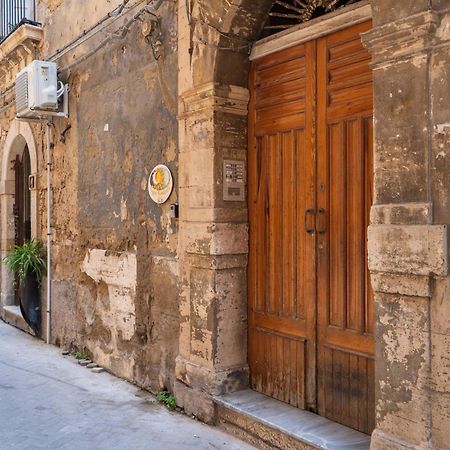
(13, 13)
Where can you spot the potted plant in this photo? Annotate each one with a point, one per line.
(27, 261)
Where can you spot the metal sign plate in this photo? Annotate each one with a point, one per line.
(234, 179)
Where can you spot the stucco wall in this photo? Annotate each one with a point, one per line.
(115, 269)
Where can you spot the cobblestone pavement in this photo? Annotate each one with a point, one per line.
(48, 401)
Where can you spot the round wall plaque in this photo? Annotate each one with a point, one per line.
(160, 184)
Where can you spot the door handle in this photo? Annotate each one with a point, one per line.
(309, 212)
(321, 221)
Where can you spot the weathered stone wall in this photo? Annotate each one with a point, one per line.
(115, 270)
(408, 238)
(124, 294)
(138, 294)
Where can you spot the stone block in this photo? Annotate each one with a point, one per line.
(231, 318)
(440, 363)
(441, 419)
(403, 367)
(409, 285)
(440, 306)
(385, 11)
(412, 249)
(217, 238)
(402, 214)
(195, 402)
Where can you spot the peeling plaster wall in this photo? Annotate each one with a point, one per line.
(123, 121)
(408, 236)
(115, 267)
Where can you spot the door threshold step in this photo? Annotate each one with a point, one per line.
(13, 316)
(269, 423)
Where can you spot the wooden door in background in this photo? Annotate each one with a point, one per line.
(310, 176)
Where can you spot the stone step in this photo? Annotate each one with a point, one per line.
(268, 423)
(13, 316)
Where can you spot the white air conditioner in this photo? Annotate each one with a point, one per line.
(38, 91)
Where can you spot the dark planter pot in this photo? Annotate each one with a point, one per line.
(30, 302)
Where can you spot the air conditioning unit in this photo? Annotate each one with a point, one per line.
(38, 92)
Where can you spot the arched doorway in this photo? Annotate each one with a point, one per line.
(22, 204)
(18, 202)
(213, 231)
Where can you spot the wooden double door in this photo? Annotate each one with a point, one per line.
(311, 318)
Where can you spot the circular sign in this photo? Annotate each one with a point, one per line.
(160, 184)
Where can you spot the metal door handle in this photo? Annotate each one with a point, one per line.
(310, 212)
(321, 221)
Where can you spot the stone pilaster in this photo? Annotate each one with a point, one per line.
(408, 243)
(214, 235)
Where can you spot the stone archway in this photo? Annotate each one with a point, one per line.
(19, 136)
(213, 244)
(408, 238)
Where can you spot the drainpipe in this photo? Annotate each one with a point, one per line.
(49, 229)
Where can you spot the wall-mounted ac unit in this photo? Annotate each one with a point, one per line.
(38, 92)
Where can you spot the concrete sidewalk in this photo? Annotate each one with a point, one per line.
(48, 401)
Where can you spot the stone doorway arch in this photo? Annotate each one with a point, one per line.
(408, 238)
(20, 137)
(215, 40)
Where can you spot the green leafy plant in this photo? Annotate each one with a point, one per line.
(80, 354)
(167, 399)
(26, 258)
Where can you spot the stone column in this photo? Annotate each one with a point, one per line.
(408, 243)
(213, 243)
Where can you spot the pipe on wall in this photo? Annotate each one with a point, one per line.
(49, 230)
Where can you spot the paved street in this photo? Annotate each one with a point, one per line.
(48, 401)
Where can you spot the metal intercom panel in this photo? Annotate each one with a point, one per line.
(234, 180)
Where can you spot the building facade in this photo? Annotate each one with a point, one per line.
(323, 284)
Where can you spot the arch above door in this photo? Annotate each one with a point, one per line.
(20, 136)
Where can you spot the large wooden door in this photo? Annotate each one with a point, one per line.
(310, 177)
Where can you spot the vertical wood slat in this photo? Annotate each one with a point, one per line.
(275, 232)
(289, 208)
(363, 397)
(349, 389)
(259, 251)
(356, 274)
(337, 224)
(302, 205)
(281, 361)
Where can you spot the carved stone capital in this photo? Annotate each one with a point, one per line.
(214, 97)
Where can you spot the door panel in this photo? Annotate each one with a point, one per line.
(281, 188)
(345, 345)
(310, 175)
